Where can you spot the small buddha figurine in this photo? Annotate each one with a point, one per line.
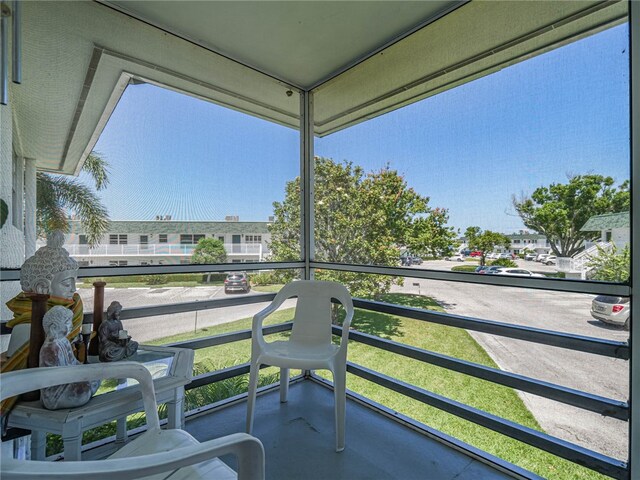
(114, 344)
(57, 351)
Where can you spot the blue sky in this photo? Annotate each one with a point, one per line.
(469, 149)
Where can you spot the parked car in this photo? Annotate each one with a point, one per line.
(550, 260)
(416, 260)
(517, 272)
(475, 253)
(530, 256)
(491, 269)
(237, 282)
(541, 256)
(481, 268)
(455, 258)
(491, 256)
(613, 310)
(505, 255)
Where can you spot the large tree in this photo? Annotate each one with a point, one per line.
(560, 210)
(58, 196)
(360, 218)
(485, 241)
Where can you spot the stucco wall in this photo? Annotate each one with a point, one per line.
(11, 238)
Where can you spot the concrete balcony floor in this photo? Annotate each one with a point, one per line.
(299, 441)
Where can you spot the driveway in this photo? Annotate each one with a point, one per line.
(565, 312)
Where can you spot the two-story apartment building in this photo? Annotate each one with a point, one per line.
(166, 242)
(526, 242)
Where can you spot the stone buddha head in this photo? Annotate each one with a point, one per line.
(50, 270)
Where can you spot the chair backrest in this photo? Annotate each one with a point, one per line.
(312, 320)
(27, 380)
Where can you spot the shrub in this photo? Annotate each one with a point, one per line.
(464, 268)
(504, 262)
(156, 279)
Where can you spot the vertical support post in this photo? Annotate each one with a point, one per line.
(30, 187)
(16, 44)
(634, 331)
(5, 12)
(307, 240)
(98, 310)
(36, 336)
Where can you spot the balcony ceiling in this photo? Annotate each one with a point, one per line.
(301, 42)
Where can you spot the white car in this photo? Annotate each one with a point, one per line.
(455, 258)
(542, 256)
(613, 310)
(517, 272)
(550, 260)
(505, 255)
(530, 256)
(491, 255)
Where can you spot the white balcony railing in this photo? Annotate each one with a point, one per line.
(158, 249)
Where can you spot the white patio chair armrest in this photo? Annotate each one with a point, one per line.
(248, 449)
(258, 318)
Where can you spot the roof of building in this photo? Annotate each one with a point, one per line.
(171, 226)
(532, 236)
(607, 222)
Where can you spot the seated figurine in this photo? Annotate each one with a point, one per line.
(114, 343)
(57, 351)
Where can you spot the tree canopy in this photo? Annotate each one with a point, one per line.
(360, 218)
(58, 195)
(485, 241)
(560, 210)
(209, 250)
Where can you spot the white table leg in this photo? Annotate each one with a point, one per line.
(38, 445)
(72, 440)
(175, 409)
(121, 430)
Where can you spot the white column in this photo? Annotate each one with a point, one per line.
(29, 207)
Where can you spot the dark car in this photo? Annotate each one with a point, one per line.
(237, 282)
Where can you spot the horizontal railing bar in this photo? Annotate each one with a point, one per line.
(153, 310)
(574, 453)
(561, 285)
(609, 348)
(219, 375)
(230, 337)
(8, 274)
(602, 405)
(223, 374)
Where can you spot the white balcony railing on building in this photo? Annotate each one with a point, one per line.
(159, 249)
(580, 262)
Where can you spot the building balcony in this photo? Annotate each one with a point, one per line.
(159, 249)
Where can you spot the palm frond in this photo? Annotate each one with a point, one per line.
(57, 194)
(97, 167)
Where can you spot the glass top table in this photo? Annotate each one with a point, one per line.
(171, 369)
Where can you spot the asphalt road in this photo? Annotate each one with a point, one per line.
(151, 328)
(565, 312)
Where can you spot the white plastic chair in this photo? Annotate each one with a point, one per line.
(309, 347)
(159, 454)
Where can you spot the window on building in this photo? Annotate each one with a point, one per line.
(118, 239)
(190, 239)
(144, 263)
(221, 238)
(83, 263)
(144, 239)
(253, 238)
(607, 236)
(516, 241)
(83, 240)
(162, 238)
(118, 263)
